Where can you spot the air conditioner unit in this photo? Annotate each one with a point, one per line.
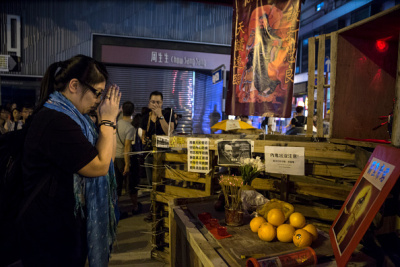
(14, 34)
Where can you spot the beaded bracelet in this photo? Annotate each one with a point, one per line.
(108, 123)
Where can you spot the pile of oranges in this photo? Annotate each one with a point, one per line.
(294, 230)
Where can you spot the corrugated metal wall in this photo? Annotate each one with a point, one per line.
(55, 30)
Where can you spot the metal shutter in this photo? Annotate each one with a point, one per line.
(136, 84)
(207, 95)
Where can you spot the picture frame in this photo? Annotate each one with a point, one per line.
(374, 184)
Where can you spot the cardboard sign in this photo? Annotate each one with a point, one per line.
(365, 199)
(284, 160)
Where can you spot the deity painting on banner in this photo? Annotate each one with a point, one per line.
(263, 58)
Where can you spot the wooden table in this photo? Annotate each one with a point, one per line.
(191, 244)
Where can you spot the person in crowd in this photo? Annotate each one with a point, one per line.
(264, 124)
(271, 125)
(154, 123)
(72, 217)
(4, 117)
(177, 118)
(298, 122)
(326, 122)
(125, 137)
(14, 106)
(14, 123)
(26, 112)
(215, 117)
(136, 162)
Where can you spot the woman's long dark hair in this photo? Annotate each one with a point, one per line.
(59, 74)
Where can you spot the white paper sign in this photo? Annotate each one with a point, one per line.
(377, 172)
(284, 160)
(232, 125)
(162, 141)
(198, 154)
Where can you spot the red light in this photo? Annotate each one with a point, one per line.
(381, 45)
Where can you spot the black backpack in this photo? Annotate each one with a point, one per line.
(138, 146)
(11, 189)
(12, 203)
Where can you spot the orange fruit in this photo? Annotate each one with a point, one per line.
(285, 232)
(297, 220)
(302, 238)
(276, 217)
(312, 230)
(267, 232)
(256, 222)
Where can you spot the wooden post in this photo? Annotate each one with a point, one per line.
(320, 84)
(284, 187)
(158, 173)
(334, 42)
(311, 82)
(210, 176)
(396, 110)
(172, 233)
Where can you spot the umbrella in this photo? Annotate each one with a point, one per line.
(227, 125)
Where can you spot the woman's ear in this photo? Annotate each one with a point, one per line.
(73, 86)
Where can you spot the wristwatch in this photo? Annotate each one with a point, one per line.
(161, 117)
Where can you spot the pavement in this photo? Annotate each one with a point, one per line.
(133, 245)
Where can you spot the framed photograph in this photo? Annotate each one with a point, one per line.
(365, 199)
(230, 152)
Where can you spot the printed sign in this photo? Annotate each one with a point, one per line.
(364, 201)
(377, 172)
(162, 141)
(284, 160)
(198, 155)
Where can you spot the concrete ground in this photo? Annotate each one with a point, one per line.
(133, 245)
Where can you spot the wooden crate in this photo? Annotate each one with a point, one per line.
(330, 172)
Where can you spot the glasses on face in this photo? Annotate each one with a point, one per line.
(155, 102)
(97, 93)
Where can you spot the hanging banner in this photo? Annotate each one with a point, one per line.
(264, 43)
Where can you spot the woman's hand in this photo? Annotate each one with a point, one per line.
(109, 107)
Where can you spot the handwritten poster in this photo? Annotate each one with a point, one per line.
(198, 155)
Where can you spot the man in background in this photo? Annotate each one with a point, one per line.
(125, 136)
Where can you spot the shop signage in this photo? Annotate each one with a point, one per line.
(364, 201)
(162, 57)
(284, 160)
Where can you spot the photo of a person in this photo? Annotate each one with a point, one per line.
(231, 152)
(354, 213)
